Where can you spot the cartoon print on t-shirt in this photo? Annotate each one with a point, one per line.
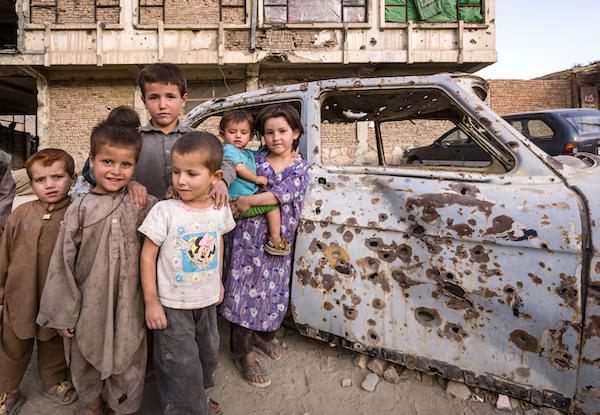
(199, 254)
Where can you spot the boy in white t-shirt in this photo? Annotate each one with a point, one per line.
(182, 289)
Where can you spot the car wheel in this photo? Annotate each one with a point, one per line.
(415, 160)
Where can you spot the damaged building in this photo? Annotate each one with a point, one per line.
(65, 63)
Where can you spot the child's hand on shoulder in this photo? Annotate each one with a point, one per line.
(220, 194)
(261, 181)
(138, 194)
(156, 319)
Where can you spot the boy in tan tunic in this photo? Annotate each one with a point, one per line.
(25, 250)
(93, 293)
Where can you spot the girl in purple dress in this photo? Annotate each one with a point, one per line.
(257, 284)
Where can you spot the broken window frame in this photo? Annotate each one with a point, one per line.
(502, 160)
(57, 14)
(344, 5)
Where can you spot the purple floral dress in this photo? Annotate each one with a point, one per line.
(257, 285)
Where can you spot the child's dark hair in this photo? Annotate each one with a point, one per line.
(106, 133)
(201, 142)
(124, 116)
(287, 111)
(236, 116)
(162, 73)
(48, 156)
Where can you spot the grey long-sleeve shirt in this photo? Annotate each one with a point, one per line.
(153, 168)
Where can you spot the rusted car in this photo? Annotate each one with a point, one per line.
(487, 274)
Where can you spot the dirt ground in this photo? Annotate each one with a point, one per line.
(307, 381)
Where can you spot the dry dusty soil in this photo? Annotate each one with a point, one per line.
(307, 381)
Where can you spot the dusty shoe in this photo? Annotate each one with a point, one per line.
(11, 402)
(281, 248)
(62, 393)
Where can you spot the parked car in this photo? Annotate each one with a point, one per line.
(486, 274)
(559, 131)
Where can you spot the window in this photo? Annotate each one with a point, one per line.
(8, 25)
(405, 127)
(539, 129)
(434, 11)
(74, 12)
(180, 12)
(315, 11)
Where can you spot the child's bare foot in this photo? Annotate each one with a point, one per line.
(277, 247)
(11, 402)
(252, 371)
(272, 349)
(62, 392)
(93, 408)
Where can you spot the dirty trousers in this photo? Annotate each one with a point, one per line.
(244, 340)
(185, 360)
(15, 354)
(122, 392)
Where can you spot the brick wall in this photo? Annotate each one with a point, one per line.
(75, 11)
(518, 96)
(76, 107)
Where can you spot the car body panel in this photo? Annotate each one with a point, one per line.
(480, 277)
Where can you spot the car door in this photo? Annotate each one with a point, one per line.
(471, 273)
(542, 131)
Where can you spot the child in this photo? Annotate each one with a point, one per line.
(93, 293)
(164, 92)
(257, 285)
(187, 237)
(25, 250)
(236, 130)
(122, 115)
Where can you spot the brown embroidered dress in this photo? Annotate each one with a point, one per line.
(94, 287)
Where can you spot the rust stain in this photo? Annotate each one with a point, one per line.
(536, 280)
(500, 224)
(348, 236)
(404, 281)
(350, 312)
(326, 235)
(309, 226)
(404, 252)
(371, 322)
(329, 281)
(592, 328)
(334, 253)
(567, 290)
(373, 336)
(453, 331)
(428, 317)
(355, 299)
(524, 341)
(462, 229)
(327, 306)
(479, 255)
(431, 202)
(378, 304)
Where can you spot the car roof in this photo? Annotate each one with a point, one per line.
(557, 111)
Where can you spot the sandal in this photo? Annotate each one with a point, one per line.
(11, 402)
(272, 349)
(250, 373)
(62, 393)
(281, 248)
